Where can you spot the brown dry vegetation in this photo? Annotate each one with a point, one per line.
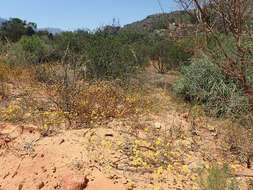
(128, 135)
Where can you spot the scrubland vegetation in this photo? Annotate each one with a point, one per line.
(87, 79)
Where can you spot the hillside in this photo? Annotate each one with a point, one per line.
(160, 21)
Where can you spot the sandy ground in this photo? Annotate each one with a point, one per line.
(29, 161)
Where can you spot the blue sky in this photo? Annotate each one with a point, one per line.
(74, 14)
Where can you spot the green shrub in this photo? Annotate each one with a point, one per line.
(216, 178)
(202, 83)
(3, 47)
(28, 51)
(110, 56)
(73, 41)
(166, 55)
(103, 53)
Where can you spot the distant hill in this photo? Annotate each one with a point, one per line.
(52, 30)
(160, 21)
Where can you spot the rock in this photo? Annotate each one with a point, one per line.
(124, 181)
(54, 169)
(158, 125)
(144, 118)
(43, 169)
(194, 166)
(74, 182)
(211, 128)
(130, 187)
(56, 186)
(185, 115)
(40, 185)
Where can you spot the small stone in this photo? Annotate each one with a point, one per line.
(33, 155)
(158, 125)
(56, 186)
(44, 169)
(54, 169)
(185, 115)
(130, 187)
(40, 185)
(211, 129)
(74, 182)
(124, 181)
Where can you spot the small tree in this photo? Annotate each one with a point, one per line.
(15, 28)
(165, 55)
(232, 18)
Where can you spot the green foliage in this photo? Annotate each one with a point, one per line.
(3, 47)
(110, 52)
(28, 50)
(161, 23)
(113, 55)
(15, 28)
(31, 44)
(74, 41)
(216, 178)
(202, 83)
(167, 55)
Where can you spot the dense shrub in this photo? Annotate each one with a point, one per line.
(28, 51)
(202, 83)
(166, 55)
(112, 55)
(103, 54)
(73, 41)
(13, 29)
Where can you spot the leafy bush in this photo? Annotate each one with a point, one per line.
(13, 29)
(28, 51)
(202, 83)
(3, 47)
(166, 55)
(73, 41)
(110, 56)
(103, 53)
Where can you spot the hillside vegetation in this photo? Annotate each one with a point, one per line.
(153, 106)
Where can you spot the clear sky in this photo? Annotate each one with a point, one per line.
(74, 14)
